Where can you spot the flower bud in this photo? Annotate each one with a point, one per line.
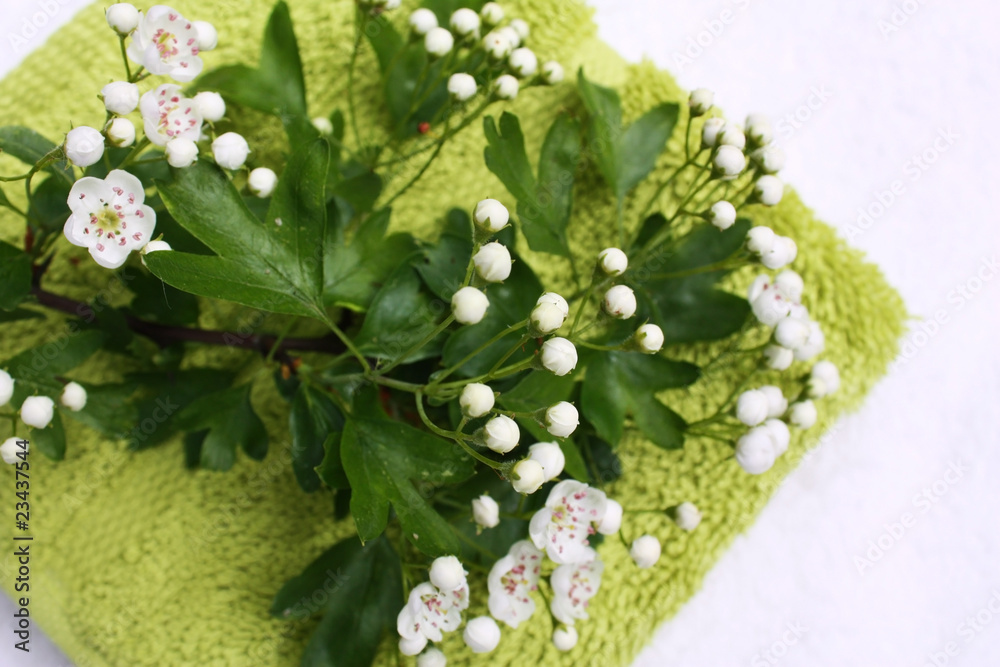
(649, 338)
(491, 13)
(777, 430)
(37, 411)
(230, 150)
(550, 456)
(74, 397)
(755, 451)
(412, 646)
(481, 634)
(422, 21)
(155, 246)
(6, 387)
(780, 254)
(619, 302)
(777, 404)
(120, 97)
(462, 87)
(565, 638)
(10, 449)
(465, 22)
(710, 132)
(790, 284)
(506, 87)
(556, 300)
(527, 476)
(611, 522)
(493, 262)
(447, 573)
(814, 345)
(492, 215)
(558, 356)
(824, 379)
(553, 73)
(206, 35)
(760, 239)
(546, 318)
(562, 419)
(803, 414)
(213, 108)
(520, 26)
(770, 158)
(262, 182)
(612, 261)
(501, 434)
(498, 46)
(722, 215)
(687, 516)
(645, 551)
(700, 102)
(486, 512)
(523, 63)
(120, 132)
(432, 657)
(732, 135)
(438, 42)
(469, 305)
(769, 190)
(758, 129)
(84, 146)
(778, 358)
(181, 152)
(323, 125)
(752, 407)
(122, 17)
(729, 162)
(476, 400)
(791, 333)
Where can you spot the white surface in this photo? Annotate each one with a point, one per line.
(888, 96)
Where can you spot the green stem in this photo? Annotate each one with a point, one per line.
(451, 435)
(665, 185)
(592, 346)
(472, 543)
(620, 217)
(350, 79)
(348, 343)
(503, 334)
(444, 137)
(426, 339)
(499, 364)
(418, 176)
(279, 340)
(502, 373)
(128, 68)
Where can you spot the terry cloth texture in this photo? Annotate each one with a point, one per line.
(138, 561)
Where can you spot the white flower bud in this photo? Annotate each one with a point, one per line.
(645, 551)
(824, 379)
(558, 356)
(527, 476)
(792, 333)
(462, 87)
(760, 239)
(710, 132)
(120, 97)
(493, 262)
(520, 26)
(619, 302)
(758, 129)
(729, 161)
(778, 358)
(523, 62)
(230, 150)
(770, 308)
(506, 87)
(565, 638)
(723, 215)
(486, 512)
(755, 451)
(546, 318)
(498, 46)
(780, 254)
(562, 419)
(432, 657)
(771, 158)
(776, 401)
(6, 387)
(476, 400)
(37, 411)
(732, 135)
(181, 152)
(491, 13)
(120, 132)
(612, 261)
(511, 36)
(412, 646)
(481, 634)
(752, 407)
(803, 414)
(687, 516)
(74, 397)
(769, 190)
(550, 456)
(790, 284)
(152, 246)
(556, 300)
(649, 338)
(469, 305)
(814, 345)
(84, 146)
(206, 34)
(501, 434)
(439, 42)
(701, 101)
(553, 73)
(492, 215)
(262, 182)
(10, 449)
(323, 125)
(611, 522)
(422, 21)
(122, 17)
(465, 22)
(213, 107)
(780, 437)
(447, 573)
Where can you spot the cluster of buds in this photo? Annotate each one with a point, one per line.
(37, 411)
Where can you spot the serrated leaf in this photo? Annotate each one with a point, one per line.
(313, 420)
(401, 315)
(29, 147)
(231, 422)
(443, 265)
(15, 276)
(163, 396)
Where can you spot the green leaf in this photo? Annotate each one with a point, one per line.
(48, 204)
(644, 142)
(314, 419)
(414, 89)
(109, 409)
(164, 396)
(158, 301)
(383, 460)
(15, 276)
(50, 440)
(361, 189)
(55, 357)
(231, 421)
(604, 128)
(537, 391)
(331, 468)
(18, 315)
(29, 147)
(401, 315)
(385, 40)
(444, 264)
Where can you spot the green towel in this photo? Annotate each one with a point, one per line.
(137, 561)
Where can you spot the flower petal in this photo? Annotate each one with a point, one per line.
(87, 195)
(110, 255)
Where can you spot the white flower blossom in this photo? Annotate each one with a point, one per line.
(791, 284)
(439, 42)
(562, 419)
(523, 62)
(469, 305)
(10, 449)
(493, 262)
(619, 302)
(563, 527)
(84, 146)
(506, 87)
(573, 586)
(462, 86)
(645, 551)
(166, 43)
(181, 153)
(565, 638)
(120, 132)
(824, 379)
(167, 114)
(465, 22)
(752, 407)
(687, 516)
(501, 434)
(74, 396)
(492, 215)
(481, 635)
(262, 181)
(527, 476)
(649, 338)
(120, 97)
(123, 17)
(553, 73)
(803, 414)
(755, 451)
(37, 411)
(430, 612)
(723, 215)
(6, 387)
(230, 150)
(422, 21)
(109, 217)
(612, 261)
(213, 107)
(550, 456)
(511, 582)
(486, 512)
(558, 356)
(476, 400)
(700, 101)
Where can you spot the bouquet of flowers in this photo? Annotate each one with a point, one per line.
(463, 413)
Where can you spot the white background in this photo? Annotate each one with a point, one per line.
(881, 95)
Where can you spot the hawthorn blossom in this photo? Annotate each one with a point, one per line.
(166, 43)
(512, 580)
(109, 217)
(563, 527)
(167, 114)
(573, 586)
(430, 612)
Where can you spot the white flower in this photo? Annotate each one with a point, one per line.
(790, 284)
(723, 215)
(550, 456)
(649, 338)
(109, 217)
(429, 613)
(447, 574)
(207, 36)
(777, 430)
(803, 414)
(556, 300)
(432, 657)
(323, 125)
(546, 318)
(482, 634)
(565, 638)
(167, 114)
(167, 43)
(612, 261)
(559, 356)
(755, 451)
(6, 387)
(778, 358)
(465, 22)
(645, 551)
(732, 135)
(74, 397)
(792, 333)
(476, 400)
(776, 401)
(498, 46)
(123, 17)
(710, 132)
(492, 215)
(771, 158)
(562, 419)
(781, 254)
(10, 449)
(37, 411)
(486, 512)
(573, 586)
(527, 476)
(422, 21)
(701, 101)
(553, 73)
(523, 62)
(687, 516)
(814, 345)
(611, 522)
(462, 86)
(769, 190)
(469, 305)
(824, 379)
(760, 239)
(758, 128)
(566, 522)
(752, 407)
(439, 42)
(230, 150)
(493, 262)
(512, 580)
(84, 146)
(491, 13)
(506, 87)
(181, 153)
(520, 26)
(262, 182)
(501, 434)
(120, 132)
(213, 107)
(412, 646)
(729, 162)
(120, 97)
(619, 302)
